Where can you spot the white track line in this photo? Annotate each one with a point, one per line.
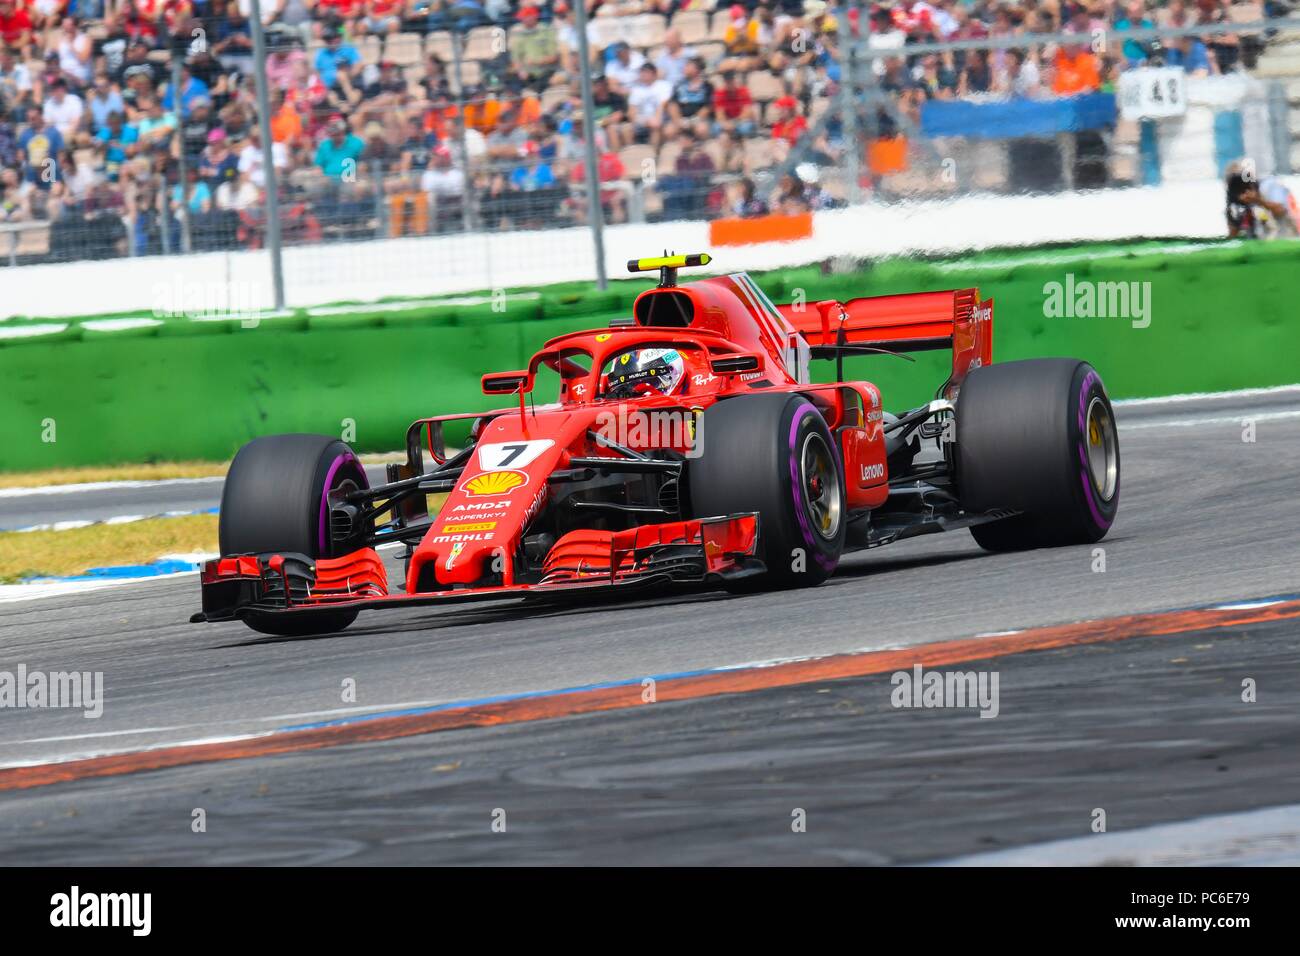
(9, 593)
(103, 486)
(1268, 837)
(1208, 396)
(1238, 419)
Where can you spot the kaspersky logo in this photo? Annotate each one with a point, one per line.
(495, 483)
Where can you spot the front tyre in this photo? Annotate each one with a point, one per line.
(1038, 437)
(276, 498)
(775, 455)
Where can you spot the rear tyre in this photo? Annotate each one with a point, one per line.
(775, 455)
(276, 498)
(1038, 437)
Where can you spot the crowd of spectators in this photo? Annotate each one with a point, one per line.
(384, 124)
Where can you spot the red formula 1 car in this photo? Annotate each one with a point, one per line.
(686, 444)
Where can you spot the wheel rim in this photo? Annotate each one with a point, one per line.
(1103, 449)
(821, 486)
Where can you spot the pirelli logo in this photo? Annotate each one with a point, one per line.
(478, 526)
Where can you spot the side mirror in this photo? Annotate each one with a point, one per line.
(507, 383)
(735, 363)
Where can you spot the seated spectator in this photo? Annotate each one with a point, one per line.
(482, 111)
(39, 146)
(64, 109)
(306, 90)
(610, 112)
(382, 17)
(191, 89)
(742, 40)
(339, 152)
(645, 101)
(200, 197)
(977, 77)
(937, 78)
(15, 27)
(74, 49)
(687, 191)
(140, 20)
(458, 15)
(15, 197)
(734, 108)
(791, 196)
(692, 98)
(566, 35)
(282, 59)
(238, 194)
(509, 138)
(534, 50)
(623, 66)
(110, 48)
(233, 44)
(218, 165)
(671, 61)
(252, 158)
(137, 65)
(1136, 52)
(445, 184)
(155, 125)
(336, 62)
(286, 122)
(15, 77)
(119, 139)
(1224, 48)
(1076, 71)
(385, 88)
(789, 125)
(194, 131)
(341, 14)
(613, 200)
(748, 205)
(1192, 55)
(104, 100)
(290, 18)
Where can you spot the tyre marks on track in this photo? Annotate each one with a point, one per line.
(624, 695)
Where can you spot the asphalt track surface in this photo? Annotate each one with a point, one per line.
(1151, 729)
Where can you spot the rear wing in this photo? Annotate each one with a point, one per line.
(913, 322)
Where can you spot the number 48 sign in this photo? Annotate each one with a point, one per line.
(1153, 92)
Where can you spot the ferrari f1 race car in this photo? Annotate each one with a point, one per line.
(687, 446)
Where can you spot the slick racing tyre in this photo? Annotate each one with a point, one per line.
(775, 455)
(276, 498)
(1038, 437)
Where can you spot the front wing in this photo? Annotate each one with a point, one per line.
(681, 552)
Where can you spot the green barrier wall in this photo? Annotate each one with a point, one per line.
(1220, 318)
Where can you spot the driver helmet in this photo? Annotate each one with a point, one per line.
(642, 371)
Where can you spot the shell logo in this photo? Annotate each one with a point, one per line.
(495, 483)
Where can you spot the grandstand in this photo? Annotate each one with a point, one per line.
(396, 118)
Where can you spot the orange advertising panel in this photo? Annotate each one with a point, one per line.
(744, 232)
